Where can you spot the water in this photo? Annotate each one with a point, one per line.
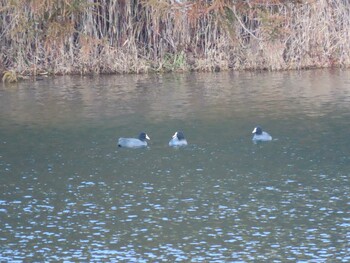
(68, 193)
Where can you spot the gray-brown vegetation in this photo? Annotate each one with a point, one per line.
(135, 36)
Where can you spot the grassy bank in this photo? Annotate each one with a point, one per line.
(134, 36)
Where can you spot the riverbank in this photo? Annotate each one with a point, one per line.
(117, 36)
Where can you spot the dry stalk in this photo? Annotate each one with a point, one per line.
(137, 36)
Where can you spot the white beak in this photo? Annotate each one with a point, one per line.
(254, 131)
(148, 138)
(175, 135)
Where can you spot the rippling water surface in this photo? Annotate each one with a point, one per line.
(68, 193)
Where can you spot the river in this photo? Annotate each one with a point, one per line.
(68, 193)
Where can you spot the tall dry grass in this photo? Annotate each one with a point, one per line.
(124, 36)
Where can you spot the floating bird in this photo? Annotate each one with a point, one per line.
(134, 142)
(178, 139)
(260, 135)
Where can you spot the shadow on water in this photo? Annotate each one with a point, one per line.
(69, 193)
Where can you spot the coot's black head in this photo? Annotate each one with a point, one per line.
(143, 136)
(180, 135)
(257, 130)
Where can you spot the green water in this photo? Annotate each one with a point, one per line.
(69, 193)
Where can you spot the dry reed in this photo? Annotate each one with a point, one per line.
(135, 36)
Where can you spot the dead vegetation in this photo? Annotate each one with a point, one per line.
(135, 36)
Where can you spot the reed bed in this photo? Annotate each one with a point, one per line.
(138, 36)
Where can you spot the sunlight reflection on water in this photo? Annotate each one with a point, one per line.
(68, 193)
